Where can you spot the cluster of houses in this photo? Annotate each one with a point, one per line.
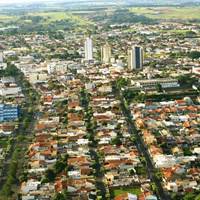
(64, 155)
(118, 155)
(60, 134)
(64, 149)
(171, 132)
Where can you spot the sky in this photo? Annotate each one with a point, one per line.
(29, 1)
(20, 1)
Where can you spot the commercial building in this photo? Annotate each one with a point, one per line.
(8, 112)
(1, 57)
(106, 53)
(152, 84)
(88, 49)
(57, 67)
(2, 64)
(135, 58)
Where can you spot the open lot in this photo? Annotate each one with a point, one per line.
(119, 191)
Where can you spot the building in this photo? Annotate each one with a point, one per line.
(10, 92)
(135, 58)
(196, 70)
(1, 57)
(38, 77)
(88, 49)
(2, 64)
(106, 53)
(57, 67)
(8, 112)
(152, 84)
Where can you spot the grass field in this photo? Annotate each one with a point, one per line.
(169, 12)
(4, 18)
(133, 190)
(57, 16)
(47, 18)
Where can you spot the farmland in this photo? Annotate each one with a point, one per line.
(185, 13)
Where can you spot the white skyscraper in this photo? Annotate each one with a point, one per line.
(88, 49)
(106, 53)
(1, 57)
(135, 58)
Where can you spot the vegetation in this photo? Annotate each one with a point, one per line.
(11, 175)
(170, 13)
(91, 129)
(194, 54)
(135, 96)
(187, 80)
(43, 22)
(19, 144)
(124, 16)
(131, 190)
(59, 166)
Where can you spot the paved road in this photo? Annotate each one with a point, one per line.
(142, 149)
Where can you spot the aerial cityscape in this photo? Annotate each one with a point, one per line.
(100, 100)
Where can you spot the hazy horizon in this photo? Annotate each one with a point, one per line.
(20, 1)
(130, 1)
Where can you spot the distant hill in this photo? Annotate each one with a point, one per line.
(73, 4)
(161, 2)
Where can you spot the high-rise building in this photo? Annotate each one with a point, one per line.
(88, 49)
(3, 65)
(106, 53)
(1, 57)
(135, 58)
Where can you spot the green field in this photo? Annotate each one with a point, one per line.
(185, 13)
(57, 16)
(44, 21)
(6, 17)
(133, 190)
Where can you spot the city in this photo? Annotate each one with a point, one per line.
(100, 102)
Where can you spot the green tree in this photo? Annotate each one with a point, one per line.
(59, 196)
(50, 175)
(189, 196)
(159, 88)
(194, 54)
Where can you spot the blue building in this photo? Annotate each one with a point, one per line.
(8, 112)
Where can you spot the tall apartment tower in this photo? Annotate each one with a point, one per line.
(1, 57)
(135, 58)
(88, 49)
(106, 53)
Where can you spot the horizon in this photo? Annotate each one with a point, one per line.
(6, 2)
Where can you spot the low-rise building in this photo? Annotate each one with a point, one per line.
(8, 112)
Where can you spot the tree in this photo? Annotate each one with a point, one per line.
(6, 190)
(187, 80)
(122, 82)
(197, 197)
(154, 187)
(159, 87)
(59, 196)
(189, 196)
(50, 175)
(194, 54)
(116, 141)
(59, 166)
